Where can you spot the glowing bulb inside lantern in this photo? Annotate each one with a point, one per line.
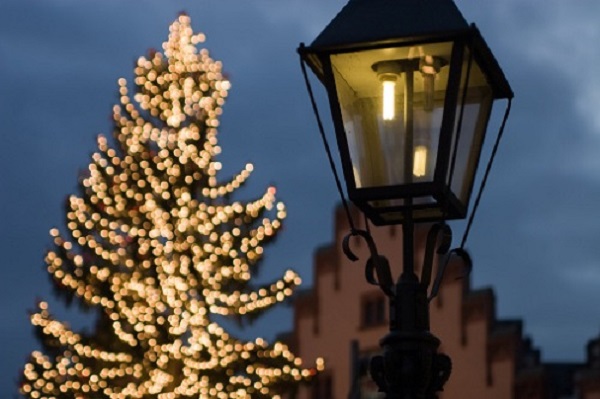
(389, 98)
(420, 161)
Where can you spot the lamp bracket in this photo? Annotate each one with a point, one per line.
(428, 65)
(395, 67)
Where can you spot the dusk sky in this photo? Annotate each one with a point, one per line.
(536, 238)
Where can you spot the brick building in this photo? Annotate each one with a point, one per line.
(491, 357)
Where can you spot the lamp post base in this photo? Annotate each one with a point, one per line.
(410, 367)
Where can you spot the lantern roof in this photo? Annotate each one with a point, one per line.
(375, 23)
(368, 21)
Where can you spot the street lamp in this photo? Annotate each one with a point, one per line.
(410, 87)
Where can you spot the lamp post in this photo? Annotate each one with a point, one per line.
(411, 87)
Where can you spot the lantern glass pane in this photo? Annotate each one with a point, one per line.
(391, 103)
(472, 114)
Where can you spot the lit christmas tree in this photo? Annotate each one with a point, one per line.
(159, 248)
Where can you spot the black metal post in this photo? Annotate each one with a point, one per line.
(410, 367)
(409, 348)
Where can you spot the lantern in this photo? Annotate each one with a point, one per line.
(411, 87)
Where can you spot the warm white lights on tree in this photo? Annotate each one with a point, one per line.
(158, 247)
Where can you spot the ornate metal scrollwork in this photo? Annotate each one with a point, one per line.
(376, 264)
(410, 365)
(377, 267)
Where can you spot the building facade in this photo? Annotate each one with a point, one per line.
(342, 319)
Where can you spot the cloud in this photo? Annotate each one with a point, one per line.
(558, 36)
(586, 278)
(315, 14)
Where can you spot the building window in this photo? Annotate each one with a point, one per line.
(322, 387)
(373, 309)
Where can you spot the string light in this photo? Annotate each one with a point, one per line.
(156, 246)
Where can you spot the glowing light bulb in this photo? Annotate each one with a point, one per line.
(389, 98)
(420, 161)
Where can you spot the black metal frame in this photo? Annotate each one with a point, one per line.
(446, 205)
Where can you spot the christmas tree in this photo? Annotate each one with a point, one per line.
(159, 249)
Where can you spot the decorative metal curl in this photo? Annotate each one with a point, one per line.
(444, 233)
(376, 264)
(466, 258)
